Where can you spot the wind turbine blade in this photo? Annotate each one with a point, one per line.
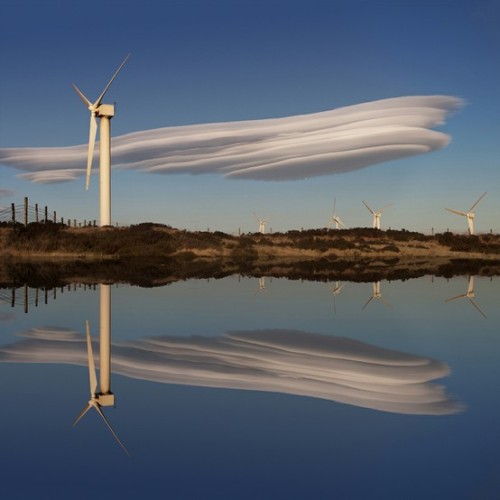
(369, 300)
(92, 373)
(82, 96)
(385, 302)
(371, 211)
(82, 413)
(387, 206)
(455, 298)
(480, 198)
(92, 136)
(98, 102)
(477, 307)
(456, 212)
(111, 429)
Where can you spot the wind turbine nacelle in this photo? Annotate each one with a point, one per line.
(106, 110)
(106, 399)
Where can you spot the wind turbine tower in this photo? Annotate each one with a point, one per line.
(104, 112)
(262, 224)
(469, 214)
(377, 214)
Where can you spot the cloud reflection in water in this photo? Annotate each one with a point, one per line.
(282, 361)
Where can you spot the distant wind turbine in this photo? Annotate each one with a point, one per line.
(104, 112)
(469, 214)
(335, 219)
(377, 214)
(469, 295)
(262, 224)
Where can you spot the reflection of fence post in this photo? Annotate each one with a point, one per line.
(25, 299)
(13, 299)
(36, 213)
(25, 210)
(13, 213)
(46, 214)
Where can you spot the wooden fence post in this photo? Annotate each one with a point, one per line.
(13, 213)
(46, 214)
(36, 213)
(25, 210)
(55, 218)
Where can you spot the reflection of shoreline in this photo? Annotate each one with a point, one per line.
(283, 361)
(158, 272)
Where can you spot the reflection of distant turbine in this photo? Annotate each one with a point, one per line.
(262, 224)
(335, 291)
(262, 286)
(377, 295)
(469, 214)
(335, 219)
(105, 397)
(469, 295)
(377, 214)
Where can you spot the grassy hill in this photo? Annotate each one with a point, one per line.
(152, 254)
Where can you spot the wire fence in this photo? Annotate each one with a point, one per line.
(27, 297)
(27, 214)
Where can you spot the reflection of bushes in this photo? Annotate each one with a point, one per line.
(390, 248)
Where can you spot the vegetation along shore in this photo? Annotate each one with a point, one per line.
(153, 254)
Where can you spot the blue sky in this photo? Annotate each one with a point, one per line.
(196, 62)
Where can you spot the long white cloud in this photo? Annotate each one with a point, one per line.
(284, 361)
(294, 147)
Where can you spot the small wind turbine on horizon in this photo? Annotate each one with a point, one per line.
(335, 219)
(104, 112)
(469, 214)
(377, 214)
(262, 224)
(468, 295)
(104, 397)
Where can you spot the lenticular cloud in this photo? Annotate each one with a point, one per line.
(294, 147)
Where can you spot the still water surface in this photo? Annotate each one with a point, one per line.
(244, 388)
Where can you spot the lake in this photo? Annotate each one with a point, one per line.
(247, 388)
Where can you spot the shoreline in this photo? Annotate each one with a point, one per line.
(151, 255)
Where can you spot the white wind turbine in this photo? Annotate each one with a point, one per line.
(104, 397)
(335, 291)
(469, 295)
(377, 294)
(469, 214)
(104, 112)
(377, 214)
(335, 219)
(262, 224)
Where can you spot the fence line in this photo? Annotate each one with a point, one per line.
(27, 296)
(26, 214)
